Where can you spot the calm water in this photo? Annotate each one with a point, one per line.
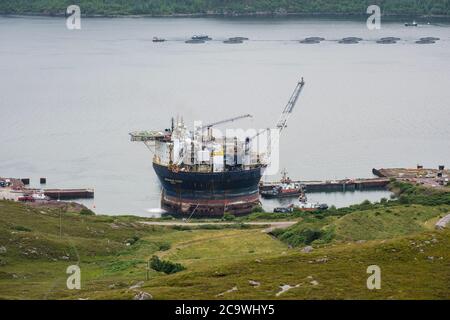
(69, 98)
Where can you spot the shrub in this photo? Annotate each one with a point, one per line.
(121, 265)
(132, 240)
(87, 212)
(228, 216)
(163, 246)
(296, 238)
(21, 228)
(403, 199)
(413, 194)
(181, 228)
(258, 209)
(165, 266)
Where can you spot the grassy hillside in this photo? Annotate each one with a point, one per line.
(332, 272)
(164, 7)
(233, 262)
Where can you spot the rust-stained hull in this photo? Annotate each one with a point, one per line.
(209, 208)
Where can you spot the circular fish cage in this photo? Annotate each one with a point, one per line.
(306, 41)
(425, 41)
(386, 41)
(390, 39)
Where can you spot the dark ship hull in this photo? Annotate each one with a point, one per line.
(209, 193)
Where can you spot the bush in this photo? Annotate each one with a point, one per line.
(228, 216)
(165, 266)
(87, 212)
(181, 228)
(412, 194)
(403, 199)
(132, 240)
(21, 228)
(121, 265)
(163, 246)
(296, 238)
(258, 209)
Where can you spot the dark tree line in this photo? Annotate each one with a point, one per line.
(166, 7)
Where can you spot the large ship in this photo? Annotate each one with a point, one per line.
(204, 174)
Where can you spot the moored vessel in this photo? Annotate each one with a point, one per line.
(205, 174)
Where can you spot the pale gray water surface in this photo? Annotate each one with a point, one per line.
(69, 98)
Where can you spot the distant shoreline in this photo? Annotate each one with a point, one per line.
(227, 15)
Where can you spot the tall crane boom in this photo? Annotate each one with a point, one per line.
(284, 117)
(282, 122)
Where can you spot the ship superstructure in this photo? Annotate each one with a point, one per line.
(208, 174)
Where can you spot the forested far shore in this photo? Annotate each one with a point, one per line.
(226, 7)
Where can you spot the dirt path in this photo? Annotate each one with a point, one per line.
(271, 225)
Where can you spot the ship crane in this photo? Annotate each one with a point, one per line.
(284, 117)
(287, 111)
(282, 122)
(209, 126)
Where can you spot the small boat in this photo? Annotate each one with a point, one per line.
(411, 24)
(39, 195)
(156, 39)
(283, 210)
(308, 206)
(201, 37)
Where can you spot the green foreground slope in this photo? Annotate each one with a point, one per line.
(235, 262)
(166, 7)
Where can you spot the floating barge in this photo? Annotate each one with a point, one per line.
(61, 194)
(337, 186)
(69, 194)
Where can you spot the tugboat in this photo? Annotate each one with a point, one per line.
(285, 189)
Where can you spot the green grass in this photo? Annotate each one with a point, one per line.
(113, 254)
(407, 273)
(416, 210)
